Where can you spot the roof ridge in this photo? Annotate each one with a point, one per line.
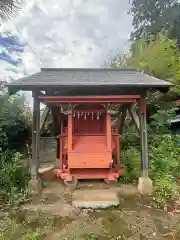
(88, 69)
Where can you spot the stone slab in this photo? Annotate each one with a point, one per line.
(47, 173)
(95, 198)
(145, 186)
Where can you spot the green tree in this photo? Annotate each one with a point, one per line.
(158, 58)
(150, 17)
(15, 126)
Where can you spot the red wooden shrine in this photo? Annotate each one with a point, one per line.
(89, 145)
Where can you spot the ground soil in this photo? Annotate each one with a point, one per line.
(135, 217)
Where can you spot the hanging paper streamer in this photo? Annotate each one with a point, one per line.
(97, 116)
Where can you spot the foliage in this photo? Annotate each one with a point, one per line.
(14, 178)
(164, 155)
(15, 120)
(165, 188)
(159, 57)
(150, 17)
(131, 160)
(165, 166)
(11, 229)
(15, 132)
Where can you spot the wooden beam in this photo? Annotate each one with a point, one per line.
(122, 118)
(134, 116)
(116, 101)
(89, 97)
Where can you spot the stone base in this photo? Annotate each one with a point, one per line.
(145, 186)
(35, 187)
(47, 173)
(102, 198)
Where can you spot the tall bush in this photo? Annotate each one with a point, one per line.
(14, 177)
(15, 132)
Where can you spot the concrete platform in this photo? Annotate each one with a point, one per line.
(47, 173)
(102, 198)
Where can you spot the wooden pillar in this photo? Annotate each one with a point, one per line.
(70, 130)
(143, 138)
(60, 147)
(35, 137)
(108, 130)
(118, 150)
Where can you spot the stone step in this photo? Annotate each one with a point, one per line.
(47, 173)
(102, 198)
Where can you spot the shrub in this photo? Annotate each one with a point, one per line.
(14, 177)
(164, 156)
(164, 166)
(165, 188)
(131, 162)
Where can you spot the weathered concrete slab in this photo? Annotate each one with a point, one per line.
(103, 198)
(47, 173)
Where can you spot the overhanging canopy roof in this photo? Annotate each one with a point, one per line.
(86, 78)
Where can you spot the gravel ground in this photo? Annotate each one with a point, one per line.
(53, 216)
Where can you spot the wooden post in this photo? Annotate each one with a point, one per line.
(61, 146)
(70, 130)
(35, 137)
(108, 129)
(143, 139)
(118, 150)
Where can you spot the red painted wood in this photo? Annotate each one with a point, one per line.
(69, 132)
(92, 173)
(130, 100)
(61, 148)
(92, 143)
(118, 150)
(89, 97)
(108, 131)
(143, 106)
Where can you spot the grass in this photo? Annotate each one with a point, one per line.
(35, 226)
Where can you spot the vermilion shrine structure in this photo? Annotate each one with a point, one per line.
(84, 102)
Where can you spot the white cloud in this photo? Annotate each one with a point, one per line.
(71, 33)
(68, 33)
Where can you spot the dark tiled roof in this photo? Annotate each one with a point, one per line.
(86, 77)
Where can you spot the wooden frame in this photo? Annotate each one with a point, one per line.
(128, 100)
